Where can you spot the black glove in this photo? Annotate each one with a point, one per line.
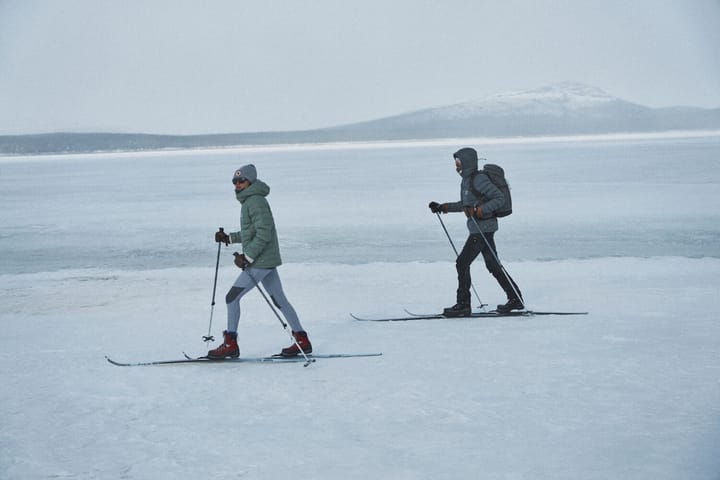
(438, 208)
(241, 261)
(221, 236)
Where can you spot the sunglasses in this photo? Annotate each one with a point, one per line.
(237, 180)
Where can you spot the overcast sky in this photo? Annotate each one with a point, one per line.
(181, 67)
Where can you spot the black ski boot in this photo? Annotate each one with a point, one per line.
(512, 304)
(458, 310)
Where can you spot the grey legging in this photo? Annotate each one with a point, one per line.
(268, 278)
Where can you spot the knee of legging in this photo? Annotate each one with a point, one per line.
(233, 294)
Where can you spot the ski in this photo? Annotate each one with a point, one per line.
(269, 359)
(495, 313)
(278, 357)
(439, 316)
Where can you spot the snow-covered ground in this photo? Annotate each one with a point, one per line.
(113, 255)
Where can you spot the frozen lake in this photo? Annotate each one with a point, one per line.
(572, 199)
(114, 255)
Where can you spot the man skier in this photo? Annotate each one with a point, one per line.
(259, 262)
(482, 226)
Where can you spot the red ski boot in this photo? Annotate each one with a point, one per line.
(229, 348)
(302, 339)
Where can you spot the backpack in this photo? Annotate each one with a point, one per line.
(497, 176)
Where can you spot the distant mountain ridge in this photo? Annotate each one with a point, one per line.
(563, 109)
(567, 108)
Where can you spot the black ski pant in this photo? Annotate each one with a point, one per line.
(474, 246)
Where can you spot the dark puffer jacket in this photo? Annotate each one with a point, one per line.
(490, 197)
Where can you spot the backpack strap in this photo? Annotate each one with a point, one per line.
(474, 190)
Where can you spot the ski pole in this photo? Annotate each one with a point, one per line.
(308, 361)
(447, 234)
(502, 268)
(209, 338)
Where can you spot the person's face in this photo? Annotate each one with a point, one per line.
(240, 184)
(458, 165)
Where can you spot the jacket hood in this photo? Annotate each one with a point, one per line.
(256, 188)
(468, 160)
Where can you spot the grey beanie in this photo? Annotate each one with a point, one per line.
(247, 171)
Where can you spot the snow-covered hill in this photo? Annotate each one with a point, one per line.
(556, 99)
(564, 108)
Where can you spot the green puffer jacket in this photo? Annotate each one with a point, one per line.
(258, 234)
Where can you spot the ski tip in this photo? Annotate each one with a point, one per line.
(365, 319)
(113, 362)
